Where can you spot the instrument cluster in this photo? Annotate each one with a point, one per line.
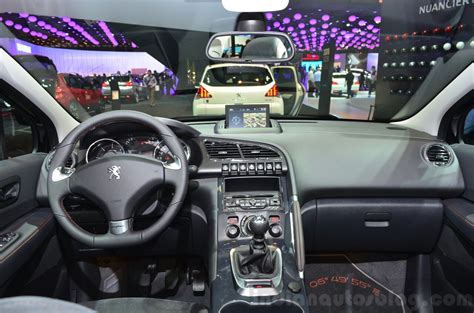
(145, 145)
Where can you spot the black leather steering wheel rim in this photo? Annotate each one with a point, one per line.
(119, 195)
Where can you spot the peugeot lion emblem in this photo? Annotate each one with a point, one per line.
(114, 172)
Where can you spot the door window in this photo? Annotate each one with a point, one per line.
(16, 133)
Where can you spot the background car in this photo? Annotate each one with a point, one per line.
(131, 88)
(291, 89)
(227, 84)
(77, 95)
(339, 85)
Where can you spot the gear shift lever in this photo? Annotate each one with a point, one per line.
(259, 259)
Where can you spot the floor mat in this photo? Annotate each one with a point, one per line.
(334, 284)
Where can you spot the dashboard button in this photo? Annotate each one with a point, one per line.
(232, 231)
(275, 230)
(243, 169)
(269, 168)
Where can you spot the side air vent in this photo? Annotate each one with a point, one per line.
(438, 155)
(252, 152)
(222, 150)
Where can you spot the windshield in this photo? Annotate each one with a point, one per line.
(355, 60)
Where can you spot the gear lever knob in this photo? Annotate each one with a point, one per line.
(259, 227)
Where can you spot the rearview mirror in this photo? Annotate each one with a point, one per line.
(250, 47)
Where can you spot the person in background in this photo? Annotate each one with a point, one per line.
(311, 80)
(373, 80)
(361, 81)
(150, 83)
(317, 82)
(349, 83)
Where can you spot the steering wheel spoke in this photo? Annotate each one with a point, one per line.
(122, 227)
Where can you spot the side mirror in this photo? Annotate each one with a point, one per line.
(250, 47)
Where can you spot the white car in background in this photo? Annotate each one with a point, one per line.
(339, 84)
(229, 84)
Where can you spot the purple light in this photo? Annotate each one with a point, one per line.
(298, 16)
(378, 19)
(44, 37)
(326, 17)
(268, 16)
(362, 23)
(290, 28)
(66, 19)
(134, 45)
(53, 30)
(323, 32)
(286, 20)
(333, 35)
(23, 14)
(313, 21)
(32, 18)
(282, 28)
(303, 32)
(47, 27)
(33, 33)
(355, 30)
(276, 24)
(18, 26)
(301, 25)
(370, 27)
(375, 30)
(26, 30)
(9, 23)
(72, 23)
(294, 34)
(41, 23)
(334, 30)
(352, 18)
(325, 26)
(312, 29)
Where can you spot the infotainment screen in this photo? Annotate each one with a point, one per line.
(247, 116)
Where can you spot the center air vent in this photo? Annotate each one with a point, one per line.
(222, 150)
(438, 155)
(253, 152)
(228, 150)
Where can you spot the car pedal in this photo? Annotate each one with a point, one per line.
(199, 284)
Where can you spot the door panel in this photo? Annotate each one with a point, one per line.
(24, 171)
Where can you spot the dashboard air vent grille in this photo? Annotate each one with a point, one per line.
(439, 155)
(251, 152)
(222, 150)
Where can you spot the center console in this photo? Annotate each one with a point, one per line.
(256, 268)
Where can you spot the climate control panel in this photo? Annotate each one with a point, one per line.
(237, 226)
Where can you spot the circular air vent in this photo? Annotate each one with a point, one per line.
(438, 155)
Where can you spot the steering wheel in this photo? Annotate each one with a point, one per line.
(118, 184)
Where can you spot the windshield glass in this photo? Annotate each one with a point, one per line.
(357, 60)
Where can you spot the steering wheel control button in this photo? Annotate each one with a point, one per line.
(275, 230)
(232, 231)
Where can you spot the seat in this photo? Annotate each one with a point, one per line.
(119, 305)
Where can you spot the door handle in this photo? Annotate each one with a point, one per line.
(9, 192)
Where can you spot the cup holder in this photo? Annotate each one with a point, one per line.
(276, 307)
